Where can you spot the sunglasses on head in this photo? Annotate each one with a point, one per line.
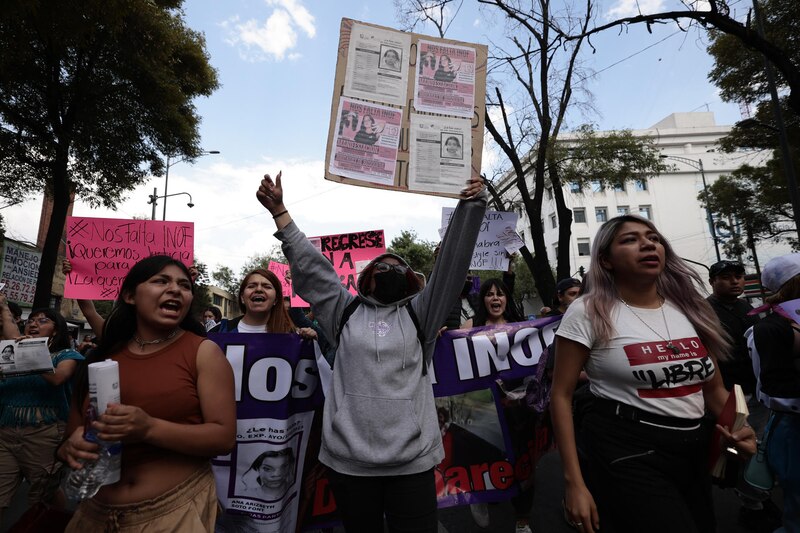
(380, 266)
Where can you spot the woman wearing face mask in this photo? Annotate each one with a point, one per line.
(380, 435)
(33, 413)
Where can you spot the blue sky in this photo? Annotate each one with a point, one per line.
(276, 61)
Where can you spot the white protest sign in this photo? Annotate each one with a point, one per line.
(490, 249)
(19, 272)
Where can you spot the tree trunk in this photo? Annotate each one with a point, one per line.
(47, 267)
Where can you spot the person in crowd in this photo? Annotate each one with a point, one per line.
(211, 317)
(369, 132)
(261, 300)
(496, 307)
(33, 411)
(380, 434)
(88, 343)
(274, 474)
(16, 314)
(452, 148)
(567, 290)
(649, 343)
(446, 71)
(727, 286)
(775, 346)
(177, 409)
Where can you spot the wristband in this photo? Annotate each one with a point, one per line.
(280, 214)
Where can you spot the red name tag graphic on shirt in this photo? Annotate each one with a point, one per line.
(648, 353)
(670, 374)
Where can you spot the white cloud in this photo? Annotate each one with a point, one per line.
(631, 8)
(476, 23)
(276, 36)
(230, 224)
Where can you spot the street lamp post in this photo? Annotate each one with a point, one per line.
(154, 200)
(698, 164)
(166, 177)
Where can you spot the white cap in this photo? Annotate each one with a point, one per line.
(780, 270)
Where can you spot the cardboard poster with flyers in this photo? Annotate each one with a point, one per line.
(407, 111)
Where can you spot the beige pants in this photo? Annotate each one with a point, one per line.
(29, 452)
(189, 507)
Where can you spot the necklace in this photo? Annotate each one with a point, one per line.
(668, 340)
(143, 343)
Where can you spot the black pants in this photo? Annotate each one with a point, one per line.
(409, 502)
(646, 478)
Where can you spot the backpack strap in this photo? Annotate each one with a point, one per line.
(346, 314)
(420, 334)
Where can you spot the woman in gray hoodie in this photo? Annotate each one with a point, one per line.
(380, 434)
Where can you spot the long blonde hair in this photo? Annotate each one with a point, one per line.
(677, 283)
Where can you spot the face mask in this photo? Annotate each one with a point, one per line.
(389, 286)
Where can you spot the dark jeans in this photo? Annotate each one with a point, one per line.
(409, 502)
(647, 478)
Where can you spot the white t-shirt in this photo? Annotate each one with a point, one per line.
(247, 328)
(635, 367)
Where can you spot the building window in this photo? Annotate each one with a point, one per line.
(574, 188)
(555, 250)
(619, 187)
(645, 211)
(600, 214)
(216, 299)
(622, 210)
(641, 185)
(579, 215)
(583, 247)
(553, 221)
(597, 186)
(549, 191)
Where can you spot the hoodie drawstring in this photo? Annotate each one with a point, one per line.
(402, 332)
(375, 333)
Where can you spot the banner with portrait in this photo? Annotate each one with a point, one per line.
(484, 380)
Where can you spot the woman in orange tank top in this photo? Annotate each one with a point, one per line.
(177, 409)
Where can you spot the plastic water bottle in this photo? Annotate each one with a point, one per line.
(84, 483)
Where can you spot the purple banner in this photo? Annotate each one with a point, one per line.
(482, 381)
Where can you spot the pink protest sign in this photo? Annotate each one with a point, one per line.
(285, 275)
(347, 252)
(102, 250)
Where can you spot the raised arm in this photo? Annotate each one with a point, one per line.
(9, 328)
(96, 322)
(450, 270)
(313, 276)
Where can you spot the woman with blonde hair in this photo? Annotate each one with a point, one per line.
(649, 342)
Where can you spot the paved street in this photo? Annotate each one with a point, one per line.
(546, 513)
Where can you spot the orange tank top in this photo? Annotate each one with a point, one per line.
(164, 385)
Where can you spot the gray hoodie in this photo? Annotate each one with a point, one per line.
(379, 417)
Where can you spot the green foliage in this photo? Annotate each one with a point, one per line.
(202, 299)
(752, 204)
(417, 252)
(756, 201)
(611, 159)
(224, 277)
(91, 93)
(739, 70)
